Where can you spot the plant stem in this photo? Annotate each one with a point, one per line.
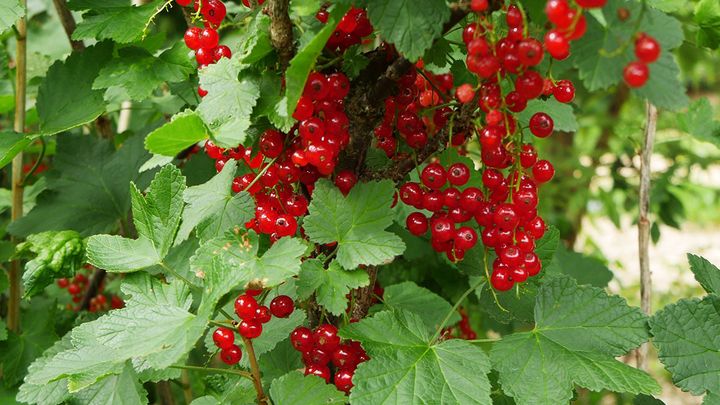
(255, 371)
(454, 309)
(68, 22)
(187, 389)
(644, 222)
(489, 340)
(13, 317)
(216, 370)
(281, 27)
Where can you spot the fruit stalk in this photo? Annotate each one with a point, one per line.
(644, 222)
(262, 399)
(13, 317)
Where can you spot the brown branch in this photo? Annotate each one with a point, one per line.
(644, 222)
(164, 393)
(93, 287)
(255, 369)
(68, 22)
(363, 297)
(281, 34)
(13, 316)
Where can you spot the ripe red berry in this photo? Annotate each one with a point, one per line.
(647, 49)
(458, 174)
(223, 338)
(530, 52)
(417, 223)
(501, 280)
(564, 91)
(465, 93)
(271, 143)
(282, 306)
(543, 171)
(301, 339)
(442, 229)
(192, 38)
(220, 52)
(74, 289)
(465, 238)
(325, 337)
(231, 355)
(246, 306)
(318, 370)
(541, 125)
(591, 3)
(63, 282)
(434, 176)
(343, 380)
(479, 6)
(345, 181)
(530, 84)
(558, 12)
(262, 314)
(209, 38)
(204, 56)
(344, 356)
(183, 3)
(636, 74)
(250, 329)
(285, 225)
(514, 17)
(557, 45)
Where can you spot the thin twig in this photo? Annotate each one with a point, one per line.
(262, 399)
(68, 22)
(454, 309)
(644, 222)
(13, 317)
(93, 287)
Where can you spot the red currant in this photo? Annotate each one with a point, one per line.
(282, 306)
(231, 355)
(223, 338)
(250, 329)
(246, 306)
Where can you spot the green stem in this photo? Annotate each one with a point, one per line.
(37, 162)
(489, 340)
(228, 316)
(454, 309)
(216, 370)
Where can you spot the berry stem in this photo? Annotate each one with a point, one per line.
(216, 370)
(488, 340)
(455, 308)
(255, 371)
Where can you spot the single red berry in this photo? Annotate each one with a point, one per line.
(458, 174)
(471, 198)
(231, 355)
(223, 338)
(528, 156)
(250, 329)
(63, 282)
(535, 227)
(271, 143)
(344, 356)
(647, 49)
(564, 91)
(285, 225)
(591, 3)
(557, 45)
(192, 38)
(529, 84)
(559, 13)
(343, 380)
(519, 274)
(541, 125)
(417, 223)
(246, 306)
(201, 92)
(209, 38)
(183, 3)
(325, 337)
(282, 306)
(318, 370)
(514, 17)
(301, 339)
(501, 280)
(220, 52)
(530, 52)
(465, 93)
(465, 238)
(262, 314)
(204, 56)
(74, 289)
(543, 171)
(434, 176)
(345, 180)
(442, 229)
(479, 6)
(636, 74)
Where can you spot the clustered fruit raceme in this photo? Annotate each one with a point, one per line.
(322, 349)
(352, 28)
(205, 42)
(252, 316)
(464, 328)
(77, 287)
(413, 114)
(647, 50)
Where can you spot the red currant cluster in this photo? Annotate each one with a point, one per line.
(205, 42)
(252, 317)
(465, 329)
(647, 50)
(352, 28)
(77, 288)
(449, 205)
(322, 347)
(413, 112)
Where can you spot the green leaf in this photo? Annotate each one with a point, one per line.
(584, 269)
(212, 208)
(356, 222)
(52, 393)
(55, 255)
(280, 361)
(643, 399)
(37, 334)
(138, 72)
(579, 330)
(118, 389)
(706, 273)
(66, 98)
(102, 347)
(148, 291)
(700, 122)
(330, 286)
(685, 334)
(11, 144)
(115, 253)
(10, 12)
(429, 306)
(410, 25)
(227, 107)
(405, 367)
(90, 193)
(255, 43)
(232, 261)
(562, 114)
(157, 215)
(304, 8)
(664, 88)
(274, 332)
(185, 130)
(115, 20)
(3, 331)
(707, 18)
(300, 66)
(295, 388)
(354, 62)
